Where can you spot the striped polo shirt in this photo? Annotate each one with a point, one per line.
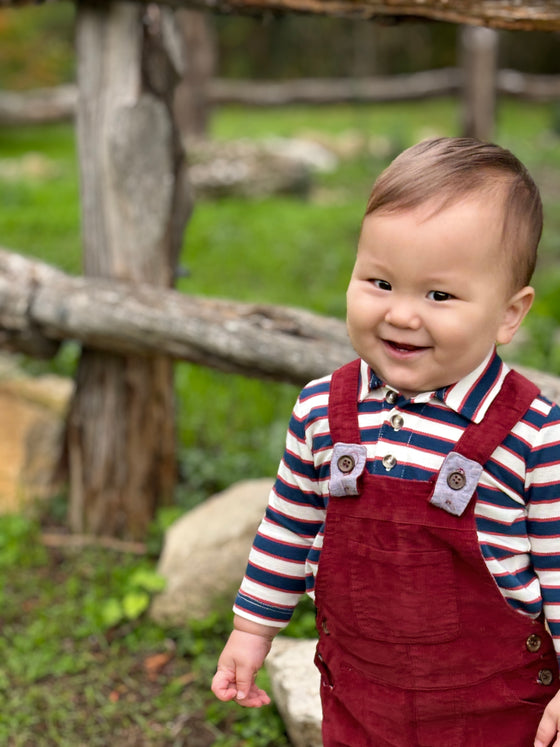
(518, 500)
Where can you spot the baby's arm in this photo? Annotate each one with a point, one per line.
(241, 659)
(549, 727)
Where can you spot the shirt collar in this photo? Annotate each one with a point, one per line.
(470, 397)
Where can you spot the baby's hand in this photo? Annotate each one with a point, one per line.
(241, 659)
(549, 727)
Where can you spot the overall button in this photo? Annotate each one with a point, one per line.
(456, 479)
(391, 397)
(389, 461)
(397, 422)
(346, 463)
(546, 677)
(533, 643)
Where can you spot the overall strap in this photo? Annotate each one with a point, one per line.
(343, 404)
(460, 472)
(480, 440)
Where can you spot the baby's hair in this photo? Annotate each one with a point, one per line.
(447, 170)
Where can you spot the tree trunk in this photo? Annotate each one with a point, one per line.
(120, 429)
(479, 50)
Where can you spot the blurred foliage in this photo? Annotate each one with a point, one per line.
(293, 46)
(36, 46)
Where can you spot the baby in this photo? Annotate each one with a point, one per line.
(417, 501)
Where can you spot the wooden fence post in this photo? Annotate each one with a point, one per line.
(135, 202)
(479, 51)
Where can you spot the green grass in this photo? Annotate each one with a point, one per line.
(40, 212)
(403, 122)
(76, 668)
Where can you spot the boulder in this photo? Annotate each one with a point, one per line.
(205, 551)
(549, 384)
(295, 688)
(32, 416)
(250, 169)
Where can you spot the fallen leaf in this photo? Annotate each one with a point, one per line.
(155, 663)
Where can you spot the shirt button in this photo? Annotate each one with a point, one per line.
(391, 397)
(389, 462)
(456, 479)
(325, 627)
(397, 422)
(546, 677)
(346, 463)
(533, 643)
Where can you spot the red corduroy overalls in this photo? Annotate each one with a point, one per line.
(417, 646)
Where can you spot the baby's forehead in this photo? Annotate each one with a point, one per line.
(471, 203)
(492, 192)
(455, 226)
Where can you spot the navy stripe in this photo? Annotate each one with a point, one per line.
(275, 580)
(280, 549)
(298, 467)
(484, 384)
(300, 528)
(262, 609)
(533, 608)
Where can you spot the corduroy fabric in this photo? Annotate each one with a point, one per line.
(418, 647)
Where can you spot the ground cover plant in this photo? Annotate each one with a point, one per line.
(82, 662)
(83, 665)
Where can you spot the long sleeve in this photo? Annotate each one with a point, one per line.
(543, 524)
(276, 572)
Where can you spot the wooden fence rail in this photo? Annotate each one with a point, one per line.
(59, 103)
(507, 14)
(41, 306)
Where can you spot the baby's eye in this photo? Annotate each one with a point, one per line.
(439, 296)
(384, 285)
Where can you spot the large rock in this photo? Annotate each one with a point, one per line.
(32, 415)
(255, 169)
(205, 552)
(549, 384)
(295, 689)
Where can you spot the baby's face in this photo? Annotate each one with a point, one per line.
(430, 294)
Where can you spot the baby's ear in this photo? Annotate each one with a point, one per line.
(514, 313)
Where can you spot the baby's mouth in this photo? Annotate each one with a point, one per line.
(403, 347)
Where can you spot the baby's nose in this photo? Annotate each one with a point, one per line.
(403, 313)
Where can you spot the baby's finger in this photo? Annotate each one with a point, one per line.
(244, 680)
(254, 699)
(223, 685)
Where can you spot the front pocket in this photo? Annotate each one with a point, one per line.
(403, 597)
